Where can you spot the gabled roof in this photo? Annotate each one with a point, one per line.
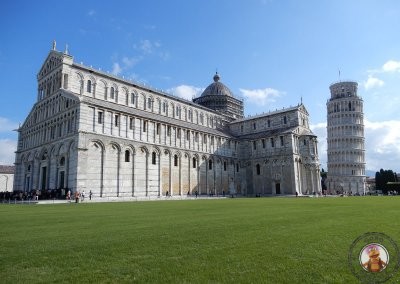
(54, 56)
(64, 93)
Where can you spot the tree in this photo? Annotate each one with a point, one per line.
(323, 179)
(382, 178)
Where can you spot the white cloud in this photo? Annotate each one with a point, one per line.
(261, 96)
(6, 125)
(373, 82)
(147, 46)
(391, 66)
(146, 49)
(382, 140)
(185, 91)
(382, 144)
(116, 69)
(129, 62)
(91, 13)
(7, 149)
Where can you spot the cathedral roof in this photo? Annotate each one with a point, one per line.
(217, 88)
(276, 131)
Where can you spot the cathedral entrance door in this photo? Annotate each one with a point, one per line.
(278, 188)
(44, 178)
(62, 178)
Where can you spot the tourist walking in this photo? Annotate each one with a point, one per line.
(76, 196)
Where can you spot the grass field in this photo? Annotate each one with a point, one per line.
(269, 240)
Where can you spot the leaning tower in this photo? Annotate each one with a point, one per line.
(345, 129)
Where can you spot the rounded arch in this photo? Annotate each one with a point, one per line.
(30, 157)
(113, 92)
(157, 105)
(96, 143)
(144, 149)
(178, 153)
(101, 87)
(91, 78)
(54, 150)
(172, 108)
(81, 79)
(167, 152)
(62, 149)
(131, 148)
(133, 97)
(102, 81)
(124, 96)
(115, 145)
(149, 102)
(43, 152)
(187, 155)
(157, 150)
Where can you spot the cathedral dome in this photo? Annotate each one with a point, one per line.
(217, 88)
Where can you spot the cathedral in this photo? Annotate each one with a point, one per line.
(90, 130)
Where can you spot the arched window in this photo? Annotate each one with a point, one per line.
(224, 166)
(153, 158)
(175, 160)
(237, 168)
(149, 103)
(190, 114)
(285, 120)
(133, 98)
(112, 93)
(349, 106)
(210, 164)
(258, 169)
(194, 163)
(89, 86)
(62, 161)
(127, 156)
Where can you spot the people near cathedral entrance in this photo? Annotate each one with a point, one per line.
(77, 195)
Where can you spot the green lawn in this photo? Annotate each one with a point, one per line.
(273, 240)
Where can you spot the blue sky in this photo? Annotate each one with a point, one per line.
(270, 53)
